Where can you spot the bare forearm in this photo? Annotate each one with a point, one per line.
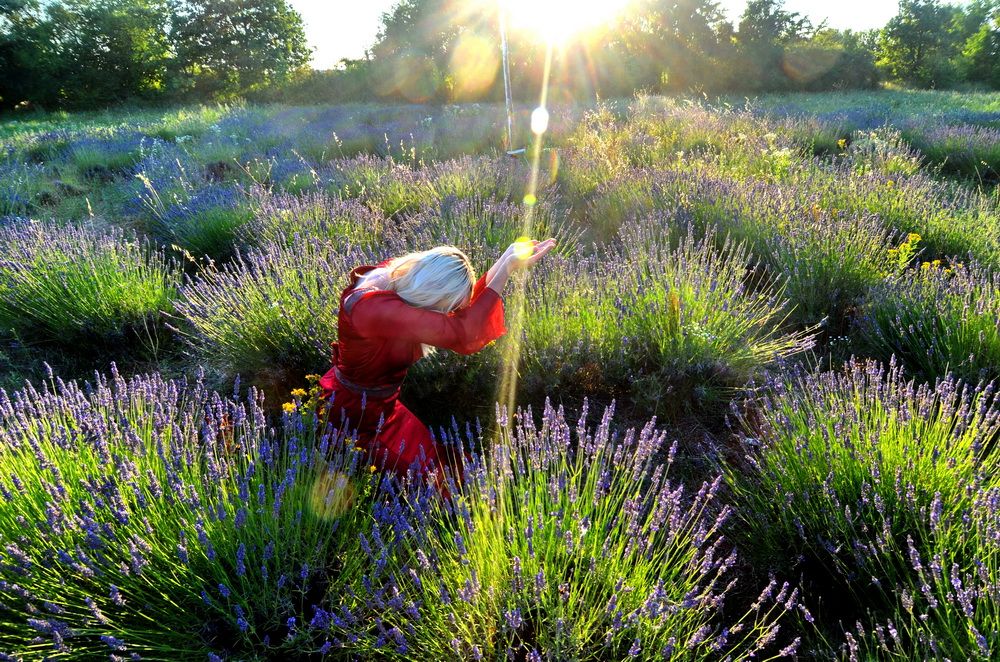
(496, 277)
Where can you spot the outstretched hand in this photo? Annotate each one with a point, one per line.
(519, 255)
(524, 254)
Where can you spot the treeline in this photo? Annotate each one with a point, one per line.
(434, 50)
(93, 53)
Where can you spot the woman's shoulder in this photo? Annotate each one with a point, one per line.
(366, 289)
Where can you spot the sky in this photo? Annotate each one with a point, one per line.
(337, 29)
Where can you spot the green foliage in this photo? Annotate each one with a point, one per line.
(226, 48)
(82, 54)
(880, 491)
(113, 50)
(178, 522)
(918, 46)
(581, 544)
(83, 285)
(273, 310)
(981, 52)
(936, 320)
(678, 326)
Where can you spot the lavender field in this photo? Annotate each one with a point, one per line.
(755, 414)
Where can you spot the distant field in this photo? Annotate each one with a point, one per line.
(803, 290)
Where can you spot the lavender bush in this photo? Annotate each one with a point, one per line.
(485, 227)
(400, 187)
(875, 486)
(154, 519)
(283, 217)
(936, 319)
(966, 149)
(655, 317)
(75, 285)
(827, 257)
(271, 311)
(207, 223)
(575, 543)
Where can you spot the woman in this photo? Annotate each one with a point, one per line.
(391, 315)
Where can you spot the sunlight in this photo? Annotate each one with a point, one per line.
(558, 20)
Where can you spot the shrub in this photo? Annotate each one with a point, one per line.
(576, 544)
(270, 311)
(75, 285)
(104, 158)
(483, 228)
(858, 478)
(936, 320)
(827, 257)
(964, 149)
(342, 223)
(207, 223)
(398, 189)
(154, 518)
(881, 151)
(23, 188)
(676, 318)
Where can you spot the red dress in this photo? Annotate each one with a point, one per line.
(379, 338)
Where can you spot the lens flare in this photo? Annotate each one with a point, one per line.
(507, 393)
(523, 249)
(332, 494)
(474, 65)
(558, 20)
(539, 120)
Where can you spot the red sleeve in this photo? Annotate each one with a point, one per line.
(466, 330)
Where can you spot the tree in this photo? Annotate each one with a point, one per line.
(111, 50)
(765, 30)
(676, 44)
(28, 65)
(981, 51)
(225, 48)
(831, 59)
(917, 45)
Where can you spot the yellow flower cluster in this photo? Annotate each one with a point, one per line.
(305, 399)
(905, 251)
(842, 143)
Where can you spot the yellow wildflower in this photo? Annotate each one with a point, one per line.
(299, 392)
(842, 143)
(936, 263)
(925, 265)
(312, 378)
(912, 238)
(890, 183)
(893, 252)
(371, 469)
(289, 407)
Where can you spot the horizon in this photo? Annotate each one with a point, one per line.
(335, 33)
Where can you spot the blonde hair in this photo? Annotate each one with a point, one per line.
(440, 279)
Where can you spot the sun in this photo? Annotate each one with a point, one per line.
(559, 20)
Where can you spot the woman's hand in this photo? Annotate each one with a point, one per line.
(523, 254)
(519, 255)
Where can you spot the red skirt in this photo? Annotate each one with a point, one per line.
(394, 437)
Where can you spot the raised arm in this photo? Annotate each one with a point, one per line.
(518, 256)
(466, 331)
